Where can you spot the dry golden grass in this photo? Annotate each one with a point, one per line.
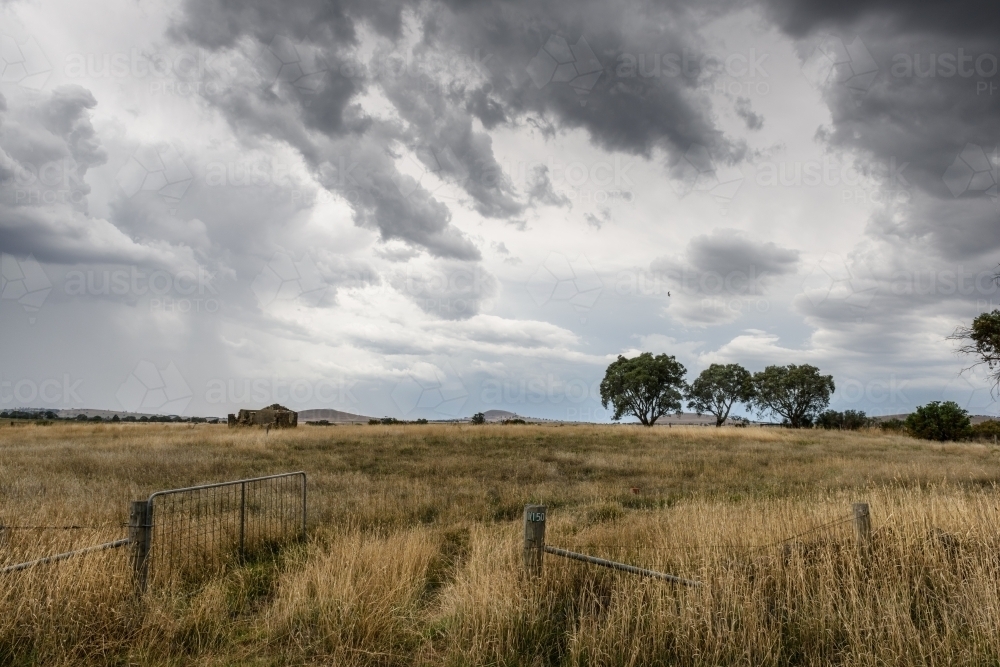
(414, 550)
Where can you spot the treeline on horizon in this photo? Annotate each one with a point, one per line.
(52, 416)
(648, 387)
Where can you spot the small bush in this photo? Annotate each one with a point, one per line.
(939, 421)
(848, 420)
(893, 425)
(987, 430)
(479, 418)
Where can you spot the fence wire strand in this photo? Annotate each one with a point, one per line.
(3, 527)
(705, 547)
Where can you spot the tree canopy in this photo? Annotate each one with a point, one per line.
(983, 340)
(797, 393)
(645, 387)
(717, 388)
(939, 421)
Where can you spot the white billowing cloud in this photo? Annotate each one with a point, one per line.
(755, 348)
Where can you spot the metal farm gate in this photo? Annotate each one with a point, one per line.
(193, 532)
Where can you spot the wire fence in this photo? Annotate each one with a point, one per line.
(195, 532)
(734, 546)
(192, 533)
(535, 546)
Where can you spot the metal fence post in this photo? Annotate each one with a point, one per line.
(140, 532)
(534, 539)
(303, 506)
(862, 525)
(243, 518)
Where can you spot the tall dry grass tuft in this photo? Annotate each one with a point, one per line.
(355, 600)
(81, 611)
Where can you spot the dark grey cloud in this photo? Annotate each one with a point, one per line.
(714, 270)
(927, 122)
(744, 110)
(919, 124)
(480, 62)
(488, 110)
(356, 164)
(932, 107)
(540, 190)
(47, 146)
(448, 145)
(724, 251)
(968, 17)
(52, 138)
(65, 116)
(218, 23)
(966, 228)
(888, 286)
(620, 109)
(597, 221)
(320, 117)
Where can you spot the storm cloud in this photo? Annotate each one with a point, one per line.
(439, 194)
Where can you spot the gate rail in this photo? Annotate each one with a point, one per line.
(190, 527)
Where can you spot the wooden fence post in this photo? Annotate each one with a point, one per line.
(140, 532)
(534, 539)
(863, 525)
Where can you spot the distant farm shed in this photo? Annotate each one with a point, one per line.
(275, 416)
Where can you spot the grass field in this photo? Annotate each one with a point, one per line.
(415, 536)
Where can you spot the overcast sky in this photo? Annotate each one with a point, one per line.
(437, 208)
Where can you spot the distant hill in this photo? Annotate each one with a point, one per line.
(494, 415)
(683, 419)
(504, 415)
(332, 416)
(687, 419)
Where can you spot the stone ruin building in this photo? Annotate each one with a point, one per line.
(273, 416)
